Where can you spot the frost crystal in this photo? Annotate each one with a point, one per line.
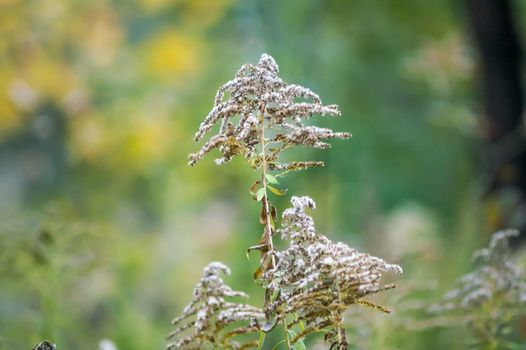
(212, 321)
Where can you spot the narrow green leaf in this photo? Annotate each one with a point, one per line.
(271, 179)
(261, 340)
(277, 191)
(278, 344)
(261, 193)
(275, 295)
(299, 345)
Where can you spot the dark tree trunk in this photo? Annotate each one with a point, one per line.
(500, 60)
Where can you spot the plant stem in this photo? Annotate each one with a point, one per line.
(261, 340)
(339, 320)
(264, 182)
(286, 332)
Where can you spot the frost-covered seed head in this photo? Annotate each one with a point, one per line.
(209, 313)
(319, 279)
(255, 101)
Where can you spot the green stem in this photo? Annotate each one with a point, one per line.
(261, 340)
(286, 333)
(264, 183)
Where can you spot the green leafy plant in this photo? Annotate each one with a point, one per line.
(308, 285)
(41, 258)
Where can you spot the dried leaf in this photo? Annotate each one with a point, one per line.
(258, 274)
(263, 215)
(255, 247)
(277, 191)
(273, 225)
(254, 187)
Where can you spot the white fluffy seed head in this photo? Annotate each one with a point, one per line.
(256, 100)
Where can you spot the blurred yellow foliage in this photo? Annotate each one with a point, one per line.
(146, 142)
(204, 12)
(89, 137)
(103, 35)
(9, 117)
(155, 5)
(198, 13)
(143, 141)
(172, 54)
(50, 78)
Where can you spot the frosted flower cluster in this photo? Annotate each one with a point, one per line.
(498, 282)
(256, 102)
(212, 321)
(318, 279)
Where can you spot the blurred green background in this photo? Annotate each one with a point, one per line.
(104, 229)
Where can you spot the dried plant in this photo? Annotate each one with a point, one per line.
(488, 298)
(262, 102)
(315, 280)
(309, 285)
(269, 121)
(207, 321)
